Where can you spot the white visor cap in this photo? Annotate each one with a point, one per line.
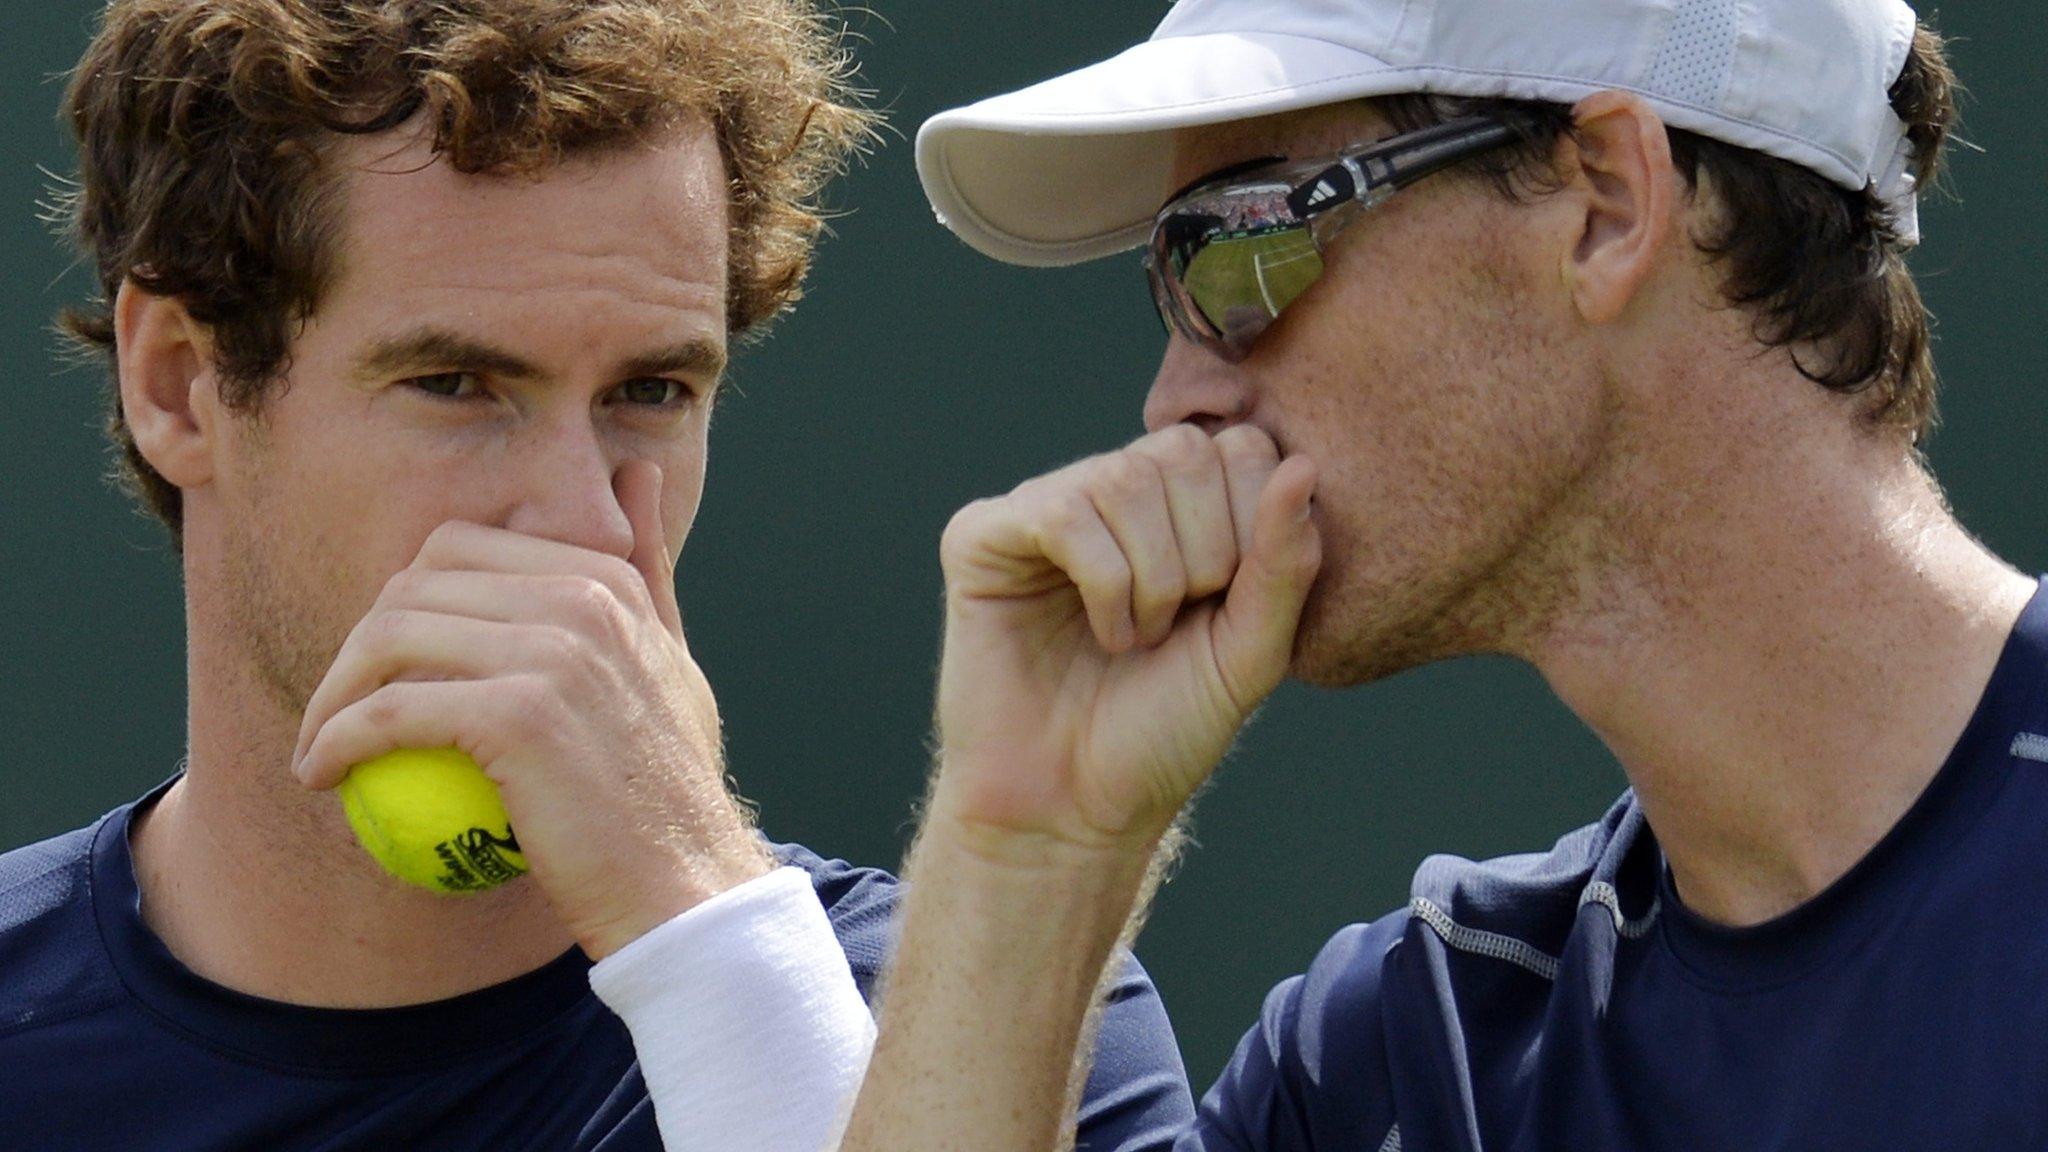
(1075, 167)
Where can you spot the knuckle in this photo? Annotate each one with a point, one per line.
(1310, 559)
(1124, 475)
(322, 752)
(382, 631)
(383, 707)
(1028, 489)
(587, 601)
(1071, 473)
(1211, 569)
(1068, 513)
(1183, 437)
(405, 585)
(1182, 448)
(968, 516)
(969, 527)
(619, 574)
(529, 703)
(614, 619)
(1109, 581)
(558, 647)
(1242, 442)
(1165, 587)
(962, 531)
(443, 538)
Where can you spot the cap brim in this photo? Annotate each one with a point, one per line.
(1076, 167)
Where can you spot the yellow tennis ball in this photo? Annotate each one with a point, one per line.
(432, 818)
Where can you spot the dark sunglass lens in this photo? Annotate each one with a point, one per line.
(1242, 282)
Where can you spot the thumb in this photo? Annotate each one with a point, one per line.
(637, 484)
(1254, 632)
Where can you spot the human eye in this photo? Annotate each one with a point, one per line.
(659, 392)
(447, 385)
(651, 390)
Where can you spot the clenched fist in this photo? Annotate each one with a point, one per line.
(1110, 627)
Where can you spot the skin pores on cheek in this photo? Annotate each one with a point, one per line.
(301, 562)
(1449, 424)
(1434, 376)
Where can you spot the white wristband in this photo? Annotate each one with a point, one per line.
(750, 1031)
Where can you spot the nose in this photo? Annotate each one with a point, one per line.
(565, 489)
(1195, 387)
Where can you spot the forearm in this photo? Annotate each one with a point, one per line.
(1003, 948)
(1109, 628)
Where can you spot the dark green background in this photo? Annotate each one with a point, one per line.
(916, 377)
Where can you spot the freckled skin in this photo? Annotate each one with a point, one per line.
(298, 516)
(1437, 389)
(1531, 428)
(607, 267)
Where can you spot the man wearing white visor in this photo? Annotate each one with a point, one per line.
(1575, 330)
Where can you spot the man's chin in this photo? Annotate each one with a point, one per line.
(1343, 666)
(289, 665)
(1343, 645)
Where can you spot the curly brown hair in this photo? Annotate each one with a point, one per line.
(205, 129)
(1821, 268)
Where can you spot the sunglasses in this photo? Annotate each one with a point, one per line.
(1230, 253)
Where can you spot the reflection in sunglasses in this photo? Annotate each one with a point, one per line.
(1233, 250)
(1242, 282)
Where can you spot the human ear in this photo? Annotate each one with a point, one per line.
(1628, 187)
(164, 359)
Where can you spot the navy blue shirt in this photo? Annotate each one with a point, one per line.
(109, 1044)
(1568, 1000)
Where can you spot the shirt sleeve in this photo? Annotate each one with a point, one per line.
(746, 1020)
(1312, 1074)
(747, 1017)
(1137, 1098)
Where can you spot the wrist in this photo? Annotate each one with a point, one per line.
(1024, 884)
(1004, 940)
(671, 885)
(1040, 856)
(1035, 842)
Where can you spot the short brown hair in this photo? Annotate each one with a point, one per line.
(203, 127)
(1820, 266)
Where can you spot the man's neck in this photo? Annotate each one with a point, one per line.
(256, 884)
(1782, 666)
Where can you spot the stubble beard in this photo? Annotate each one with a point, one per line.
(286, 628)
(1358, 632)
(283, 622)
(1384, 606)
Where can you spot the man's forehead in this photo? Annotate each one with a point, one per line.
(616, 255)
(677, 172)
(659, 206)
(1310, 132)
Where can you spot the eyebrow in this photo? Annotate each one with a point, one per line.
(696, 357)
(439, 348)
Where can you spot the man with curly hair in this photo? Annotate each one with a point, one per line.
(417, 312)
